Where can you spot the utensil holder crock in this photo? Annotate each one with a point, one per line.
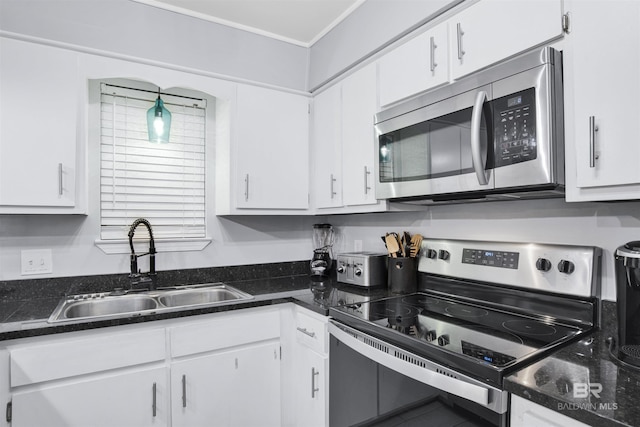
(403, 275)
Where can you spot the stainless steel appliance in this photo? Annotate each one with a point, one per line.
(483, 310)
(494, 135)
(322, 256)
(366, 269)
(627, 267)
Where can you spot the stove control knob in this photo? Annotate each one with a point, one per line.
(541, 376)
(563, 385)
(566, 267)
(431, 253)
(341, 268)
(443, 340)
(543, 264)
(431, 335)
(442, 254)
(357, 271)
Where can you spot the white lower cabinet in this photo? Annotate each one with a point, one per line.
(222, 369)
(311, 369)
(231, 388)
(312, 387)
(132, 398)
(108, 378)
(525, 413)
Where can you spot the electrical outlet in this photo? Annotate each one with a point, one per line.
(36, 261)
(357, 245)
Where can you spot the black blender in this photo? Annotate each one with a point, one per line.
(322, 257)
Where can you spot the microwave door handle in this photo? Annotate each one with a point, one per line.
(476, 150)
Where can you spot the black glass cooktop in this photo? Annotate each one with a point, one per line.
(459, 334)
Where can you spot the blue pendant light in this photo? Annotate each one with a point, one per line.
(158, 121)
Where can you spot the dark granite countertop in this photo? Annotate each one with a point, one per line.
(25, 306)
(556, 381)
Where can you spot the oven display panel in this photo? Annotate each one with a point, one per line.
(491, 258)
(489, 356)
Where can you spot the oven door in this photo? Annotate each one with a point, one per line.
(371, 381)
(442, 148)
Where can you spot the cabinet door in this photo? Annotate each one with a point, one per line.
(311, 380)
(359, 105)
(601, 85)
(327, 148)
(272, 160)
(525, 413)
(420, 64)
(492, 30)
(137, 398)
(39, 91)
(232, 388)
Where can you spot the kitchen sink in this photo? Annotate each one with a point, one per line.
(192, 297)
(115, 304)
(108, 305)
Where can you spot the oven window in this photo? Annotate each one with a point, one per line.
(434, 148)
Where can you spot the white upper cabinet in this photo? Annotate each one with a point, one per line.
(478, 36)
(343, 145)
(421, 63)
(492, 30)
(272, 154)
(602, 65)
(40, 93)
(359, 105)
(327, 145)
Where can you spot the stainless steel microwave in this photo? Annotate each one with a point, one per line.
(497, 134)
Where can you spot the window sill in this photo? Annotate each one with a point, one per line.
(164, 245)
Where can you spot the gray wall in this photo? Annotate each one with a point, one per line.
(141, 31)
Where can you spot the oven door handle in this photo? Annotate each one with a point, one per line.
(476, 150)
(472, 392)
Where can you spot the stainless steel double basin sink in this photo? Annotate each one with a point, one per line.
(114, 304)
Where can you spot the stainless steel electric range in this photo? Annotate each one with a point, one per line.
(483, 311)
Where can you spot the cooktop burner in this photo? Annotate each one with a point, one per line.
(458, 310)
(529, 327)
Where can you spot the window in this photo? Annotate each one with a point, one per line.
(164, 183)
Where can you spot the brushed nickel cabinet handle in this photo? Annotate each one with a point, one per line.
(592, 142)
(333, 180)
(246, 187)
(184, 391)
(304, 331)
(461, 51)
(154, 404)
(367, 172)
(314, 389)
(433, 46)
(60, 179)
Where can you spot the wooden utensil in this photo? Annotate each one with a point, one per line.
(392, 245)
(416, 245)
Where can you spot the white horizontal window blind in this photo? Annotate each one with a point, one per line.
(164, 183)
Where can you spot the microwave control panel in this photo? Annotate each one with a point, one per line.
(515, 128)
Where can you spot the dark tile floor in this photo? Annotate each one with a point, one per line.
(434, 414)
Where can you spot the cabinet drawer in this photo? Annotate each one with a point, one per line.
(67, 357)
(311, 331)
(223, 331)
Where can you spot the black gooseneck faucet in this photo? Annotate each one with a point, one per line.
(135, 275)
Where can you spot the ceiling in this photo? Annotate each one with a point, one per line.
(301, 22)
